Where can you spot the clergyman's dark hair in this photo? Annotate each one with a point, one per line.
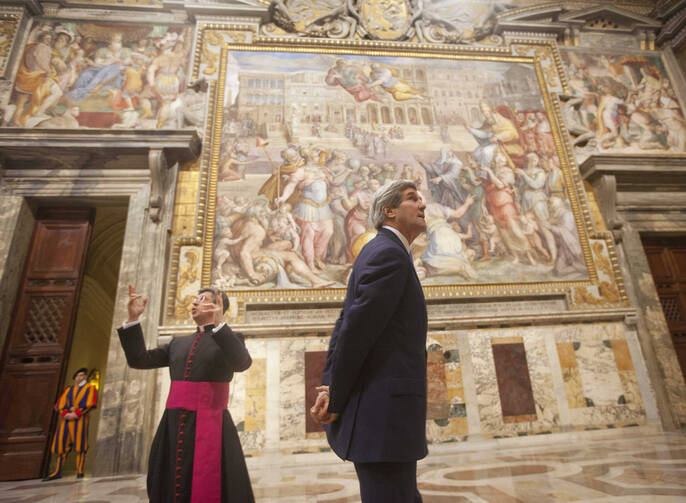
(215, 291)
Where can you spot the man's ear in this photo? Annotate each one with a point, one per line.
(389, 212)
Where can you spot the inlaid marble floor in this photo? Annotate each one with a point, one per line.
(631, 467)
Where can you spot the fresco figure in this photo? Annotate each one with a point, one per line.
(570, 257)
(250, 231)
(447, 253)
(443, 175)
(534, 200)
(311, 211)
(165, 74)
(498, 133)
(622, 103)
(388, 79)
(105, 74)
(500, 201)
(273, 187)
(352, 78)
(36, 80)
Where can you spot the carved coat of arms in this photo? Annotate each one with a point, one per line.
(386, 19)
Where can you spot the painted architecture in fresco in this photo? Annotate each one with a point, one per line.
(101, 76)
(626, 103)
(306, 143)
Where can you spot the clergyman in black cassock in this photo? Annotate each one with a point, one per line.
(180, 468)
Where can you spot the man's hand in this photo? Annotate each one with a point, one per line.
(136, 304)
(71, 416)
(219, 308)
(318, 411)
(215, 309)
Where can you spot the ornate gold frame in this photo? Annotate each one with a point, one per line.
(596, 292)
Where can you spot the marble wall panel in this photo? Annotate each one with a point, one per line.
(248, 399)
(603, 387)
(471, 391)
(255, 396)
(292, 404)
(493, 423)
(514, 384)
(447, 419)
(570, 374)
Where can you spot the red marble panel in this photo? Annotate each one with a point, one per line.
(514, 383)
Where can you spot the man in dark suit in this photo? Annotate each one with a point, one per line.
(373, 398)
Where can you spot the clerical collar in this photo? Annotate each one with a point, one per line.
(205, 328)
(402, 238)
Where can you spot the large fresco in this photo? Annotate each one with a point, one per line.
(306, 139)
(75, 75)
(623, 103)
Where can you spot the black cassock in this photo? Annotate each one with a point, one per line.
(201, 357)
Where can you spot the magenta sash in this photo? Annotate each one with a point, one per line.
(208, 400)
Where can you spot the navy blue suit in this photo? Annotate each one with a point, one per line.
(376, 364)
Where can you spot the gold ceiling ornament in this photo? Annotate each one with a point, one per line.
(209, 39)
(546, 51)
(189, 276)
(390, 20)
(609, 290)
(8, 28)
(210, 57)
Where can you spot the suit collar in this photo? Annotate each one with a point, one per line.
(386, 231)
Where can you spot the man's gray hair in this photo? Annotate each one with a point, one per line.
(388, 196)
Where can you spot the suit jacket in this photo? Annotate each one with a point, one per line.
(376, 364)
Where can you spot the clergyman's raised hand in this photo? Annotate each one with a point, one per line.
(136, 304)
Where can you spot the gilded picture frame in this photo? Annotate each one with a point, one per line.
(232, 142)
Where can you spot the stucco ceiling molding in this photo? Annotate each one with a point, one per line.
(642, 183)
(673, 32)
(565, 24)
(148, 153)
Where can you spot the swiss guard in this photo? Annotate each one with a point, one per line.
(73, 406)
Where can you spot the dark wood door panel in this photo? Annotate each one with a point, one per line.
(659, 265)
(46, 324)
(22, 413)
(59, 250)
(667, 260)
(21, 460)
(33, 360)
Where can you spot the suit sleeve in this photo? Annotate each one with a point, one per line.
(232, 345)
(137, 356)
(326, 374)
(376, 295)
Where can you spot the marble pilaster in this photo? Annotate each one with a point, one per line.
(653, 333)
(16, 225)
(127, 421)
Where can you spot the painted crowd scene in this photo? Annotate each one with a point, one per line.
(308, 138)
(74, 75)
(624, 103)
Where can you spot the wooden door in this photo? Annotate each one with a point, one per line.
(37, 347)
(667, 259)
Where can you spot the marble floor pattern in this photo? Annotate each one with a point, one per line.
(629, 467)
